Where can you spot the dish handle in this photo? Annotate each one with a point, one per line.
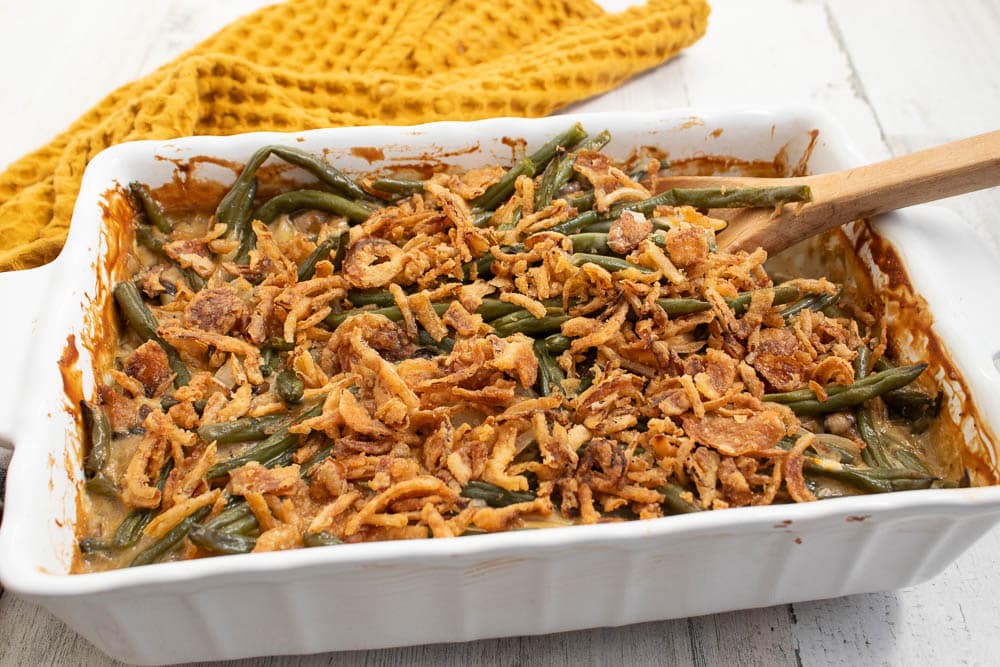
(20, 299)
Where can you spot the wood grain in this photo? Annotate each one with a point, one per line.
(900, 75)
(925, 176)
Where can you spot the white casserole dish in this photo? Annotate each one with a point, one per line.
(528, 582)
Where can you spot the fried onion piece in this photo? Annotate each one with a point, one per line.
(149, 365)
(250, 353)
(504, 518)
(253, 477)
(215, 309)
(279, 538)
(795, 481)
(417, 487)
(163, 522)
(372, 262)
(739, 434)
(628, 231)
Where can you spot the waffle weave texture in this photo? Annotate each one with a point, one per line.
(308, 64)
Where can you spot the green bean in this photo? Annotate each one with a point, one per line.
(130, 529)
(574, 225)
(914, 404)
(154, 212)
(237, 512)
(398, 186)
(142, 321)
(319, 168)
(515, 218)
(502, 189)
(316, 166)
(270, 361)
(289, 386)
(681, 306)
(493, 495)
(481, 218)
(445, 345)
(489, 309)
(594, 143)
(871, 480)
(288, 202)
(234, 211)
(241, 430)
(603, 227)
(533, 326)
(612, 264)
(583, 202)
(244, 525)
(322, 251)
(91, 545)
(674, 502)
(145, 237)
(194, 281)
(739, 303)
(550, 375)
(546, 185)
(478, 267)
(909, 400)
(788, 397)
(278, 442)
(590, 243)
(882, 448)
(342, 242)
(98, 433)
(564, 171)
(812, 302)
(370, 297)
(493, 309)
(902, 457)
(322, 539)
(718, 198)
(841, 397)
(101, 485)
(782, 294)
(567, 139)
(519, 314)
(172, 539)
(557, 343)
(220, 541)
(280, 459)
(139, 317)
(873, 453)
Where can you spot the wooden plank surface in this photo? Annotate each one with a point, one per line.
(900, 75)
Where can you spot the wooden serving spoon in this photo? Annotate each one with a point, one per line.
(840, 197)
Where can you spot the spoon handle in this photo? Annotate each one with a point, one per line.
(928, 175)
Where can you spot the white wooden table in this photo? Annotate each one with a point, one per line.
(900, 74)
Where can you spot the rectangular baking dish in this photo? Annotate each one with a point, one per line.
(374, 595)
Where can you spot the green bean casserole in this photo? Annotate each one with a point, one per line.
(559, 342)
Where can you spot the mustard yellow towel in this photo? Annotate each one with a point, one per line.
(307, 64)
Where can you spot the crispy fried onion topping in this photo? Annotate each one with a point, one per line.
(453, 370)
